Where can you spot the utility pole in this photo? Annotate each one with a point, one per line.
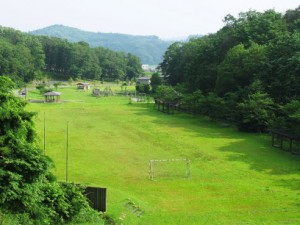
(67, 152)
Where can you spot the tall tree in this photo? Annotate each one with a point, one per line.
(292, 18)
(133, 68)
(240, 67)
(281, 79)
(171, 65)
(256, 113)
(155, 81)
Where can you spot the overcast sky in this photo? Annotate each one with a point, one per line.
(164, 18)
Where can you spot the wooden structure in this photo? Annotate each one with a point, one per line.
(97, 198)
(97, 92)
(285, 141)
(52, 96)
(83, 86)
(165, 106)
(106, 92)
(143, 80)
(171, 107)
(141, 97)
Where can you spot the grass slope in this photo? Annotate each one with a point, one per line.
(236, 178)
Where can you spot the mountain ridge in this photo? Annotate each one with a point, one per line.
(149, 49)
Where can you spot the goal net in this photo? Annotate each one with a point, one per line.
(169, 168)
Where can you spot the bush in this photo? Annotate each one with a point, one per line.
(256, 114)
(167, 93)
(290, 120)
(213, 106)
(143, 88)
(15, 219)
(43, 88)
(63, 201)
(89, 216)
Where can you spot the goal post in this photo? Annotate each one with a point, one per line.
(169, 168)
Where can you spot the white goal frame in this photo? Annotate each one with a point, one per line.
(153, 161)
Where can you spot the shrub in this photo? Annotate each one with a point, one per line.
(143, 88)
(256, 113)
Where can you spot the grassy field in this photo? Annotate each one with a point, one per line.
(236, 178)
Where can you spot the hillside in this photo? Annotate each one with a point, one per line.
(150, 49)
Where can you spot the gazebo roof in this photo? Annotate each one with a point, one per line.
(83, 83)
(52, 93)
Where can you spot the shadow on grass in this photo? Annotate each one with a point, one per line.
(256, 151)
(252, 149)
(199, 125)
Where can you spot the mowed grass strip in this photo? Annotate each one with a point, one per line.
(236, 178)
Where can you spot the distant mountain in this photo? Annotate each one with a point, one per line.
(150, 49)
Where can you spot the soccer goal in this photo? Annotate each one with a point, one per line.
(169, 168)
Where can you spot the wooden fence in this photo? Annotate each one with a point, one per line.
(285, 141)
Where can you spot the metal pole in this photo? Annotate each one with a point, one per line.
(67, 152)
(44, 133)
(187, 168)
(151, 170)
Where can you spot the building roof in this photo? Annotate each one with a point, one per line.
(83, 83)
(52, 93)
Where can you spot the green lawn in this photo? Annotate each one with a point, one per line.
(236, 178)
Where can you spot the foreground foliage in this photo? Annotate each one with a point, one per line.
(27, 187)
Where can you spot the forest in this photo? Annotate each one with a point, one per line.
(247, 73)
(25, 57)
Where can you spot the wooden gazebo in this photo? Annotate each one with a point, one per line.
(83, 86)
(52, 96)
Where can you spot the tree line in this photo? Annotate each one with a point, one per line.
(25, 57)
(247, 73)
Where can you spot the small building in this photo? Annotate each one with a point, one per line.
(52, 96)
(143, 80)
(83, 86)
